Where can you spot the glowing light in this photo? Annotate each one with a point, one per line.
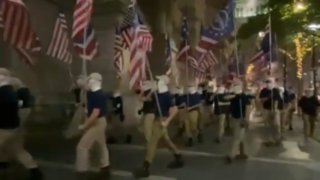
(301, 51)
(314, 27)
(299, 6)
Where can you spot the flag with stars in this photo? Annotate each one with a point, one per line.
(222, 27)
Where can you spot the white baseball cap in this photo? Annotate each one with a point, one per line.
(95, 76)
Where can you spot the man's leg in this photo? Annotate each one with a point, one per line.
(177, 162)
(151, 147)
(104, 152)
(221, 127)
(148, 125)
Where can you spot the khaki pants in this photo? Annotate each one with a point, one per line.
(308, 125)
(11, 146)
(182, 116)
(148, 121)
(158, 132)
(290, 113)
(191, 124)
(272, 122)
(96, 134)
(206, 116)
(238, 136)
(221, 125)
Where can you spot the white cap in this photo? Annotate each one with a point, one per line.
(95, 76)
(221, 89)
(5, 72)
(164, 78)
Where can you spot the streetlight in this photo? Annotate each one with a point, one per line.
(314, 28)
(299, 6)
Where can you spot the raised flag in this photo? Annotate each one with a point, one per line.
(171, 50)
(60, 43)
(17, 31)
(118, 60)
(222, 27)
(264, 50)
(139, 41)
(184, 51)
(83, 33)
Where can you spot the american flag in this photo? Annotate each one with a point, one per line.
(264, 50)
(83, 34)
(17, 31)
(222, 27)
(140, 42)
(208, 61)
(60, 43)
(184, 51)
(118, 56)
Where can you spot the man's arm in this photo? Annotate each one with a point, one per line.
(91, 119)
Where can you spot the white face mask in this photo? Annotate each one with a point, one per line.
(180, 91)
(309, 93)
(200, 91)
(192, 90)
(162, 87)
(270, 85)
(94, 85)
(237, 89)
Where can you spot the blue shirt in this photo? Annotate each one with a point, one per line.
(180, 100)
(97, 100)
(238, 106)
(166, 101)
(194, 99)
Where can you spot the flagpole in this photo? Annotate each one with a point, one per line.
(84, 67)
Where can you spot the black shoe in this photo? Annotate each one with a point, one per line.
(105, 173)
(189, 143)
(242, 157)
(35, 174)
(278, 143)
(176, 163)
(229, 160)
(290, 128)
(200, 138)
(128, 139)
(217, 140)
(142, 172)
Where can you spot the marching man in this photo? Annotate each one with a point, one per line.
(93, 130)
(239, 112)
(11, 137)
(221, 108)
(165, 112)
(272, 105)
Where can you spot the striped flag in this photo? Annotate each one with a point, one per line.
(208, 61)
(222, 27)
(83, 34)
(118, 60)
(60, 45)
(17, 31)
(264, 50)
(139, 40)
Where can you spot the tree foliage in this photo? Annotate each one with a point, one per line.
(286, 22)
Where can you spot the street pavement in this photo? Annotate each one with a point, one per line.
(204, 161)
